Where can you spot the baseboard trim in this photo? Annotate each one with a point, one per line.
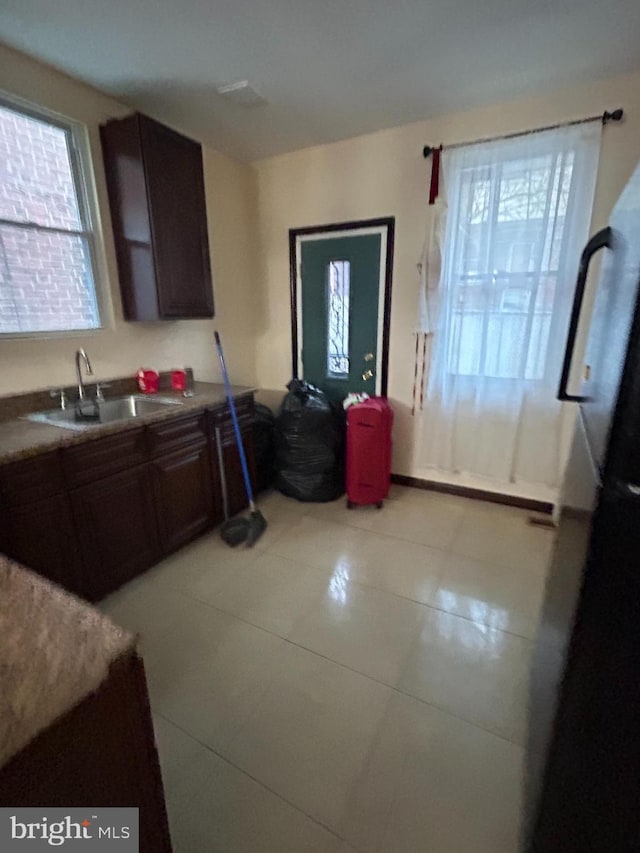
(476, 494)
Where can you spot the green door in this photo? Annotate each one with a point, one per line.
(340, 290)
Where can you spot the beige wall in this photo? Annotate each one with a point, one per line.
(384, 174)
(120, 348)
(251, 209)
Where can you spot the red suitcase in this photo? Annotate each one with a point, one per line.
(369, 451)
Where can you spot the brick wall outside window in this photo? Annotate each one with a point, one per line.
(46, 279)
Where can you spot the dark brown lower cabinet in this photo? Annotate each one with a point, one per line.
(101, 753)
(115, 529)
(93, 516)
(41, 535)
(224, 447)
(236, 490)
(183, 495)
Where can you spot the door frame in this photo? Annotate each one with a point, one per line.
(385, 226)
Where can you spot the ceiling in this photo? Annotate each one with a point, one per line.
(330, 69)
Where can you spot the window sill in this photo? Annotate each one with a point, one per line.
(52, 335)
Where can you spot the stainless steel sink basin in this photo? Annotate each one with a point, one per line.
(108, 411)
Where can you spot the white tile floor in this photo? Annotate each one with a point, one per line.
(357, 681)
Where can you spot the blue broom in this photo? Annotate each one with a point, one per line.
(237, 530)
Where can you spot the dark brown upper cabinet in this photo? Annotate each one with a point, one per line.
(155, 182)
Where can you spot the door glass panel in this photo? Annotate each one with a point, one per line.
(338, 319)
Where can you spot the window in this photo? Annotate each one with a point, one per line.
(338, 320)
(517, 218)
(508, 241)
(47, 282)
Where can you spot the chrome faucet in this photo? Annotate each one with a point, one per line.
(82, 356)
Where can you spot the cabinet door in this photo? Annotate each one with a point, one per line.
(182, 486)
(100, 753)
(127, 188)
(41, 536)
(236, 489)
(221, 430)
(116, 528)
(177, 209)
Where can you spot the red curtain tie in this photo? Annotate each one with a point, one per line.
(435, 175)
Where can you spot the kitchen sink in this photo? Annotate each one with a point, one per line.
(103, 412)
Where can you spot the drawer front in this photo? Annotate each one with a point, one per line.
(176, 433)
(221, 418)
(102, 457)
(31, 480)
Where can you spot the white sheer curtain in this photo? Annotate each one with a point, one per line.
(517, 214)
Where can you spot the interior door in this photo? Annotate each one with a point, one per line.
(341, 297)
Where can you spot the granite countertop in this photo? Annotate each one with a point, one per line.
(54, 651)
(21, 439)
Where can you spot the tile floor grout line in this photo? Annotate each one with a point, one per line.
(397, 690)
(446, 550)
(363, 674)
(433, 606)
(262, 784)
(367, 530)
(247, 565)
(362, 584)
(403, 692)
(474, 621)
(278, 659)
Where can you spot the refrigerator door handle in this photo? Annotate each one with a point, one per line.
(624, 489)
(601, 240)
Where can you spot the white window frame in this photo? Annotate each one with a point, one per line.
(492, 221)
(86, 195)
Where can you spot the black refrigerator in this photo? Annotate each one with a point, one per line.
(583, 752)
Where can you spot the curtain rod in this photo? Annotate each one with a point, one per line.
(605, 118)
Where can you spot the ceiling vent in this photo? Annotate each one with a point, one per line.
(242, 93)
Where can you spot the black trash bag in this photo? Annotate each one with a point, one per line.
(310, 441)
(265, 446)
